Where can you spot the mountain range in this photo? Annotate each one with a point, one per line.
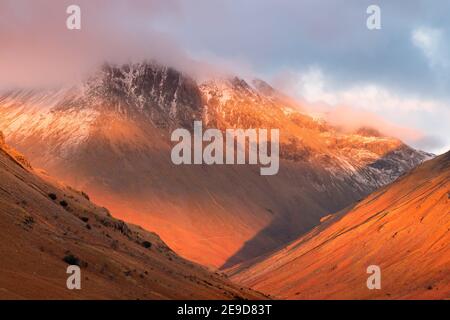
(110, 137)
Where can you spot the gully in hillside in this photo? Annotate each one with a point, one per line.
(213, 152)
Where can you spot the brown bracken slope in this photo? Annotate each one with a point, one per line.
(403, 228)
(44, 226)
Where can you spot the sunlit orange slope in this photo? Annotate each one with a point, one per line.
(403, 228)
(44, 226)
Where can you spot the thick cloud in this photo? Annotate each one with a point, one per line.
(38, 50)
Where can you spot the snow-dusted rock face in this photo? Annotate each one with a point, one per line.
(162, 94)
(110, 136)
(365, 158)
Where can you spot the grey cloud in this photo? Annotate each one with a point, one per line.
(295, 34)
